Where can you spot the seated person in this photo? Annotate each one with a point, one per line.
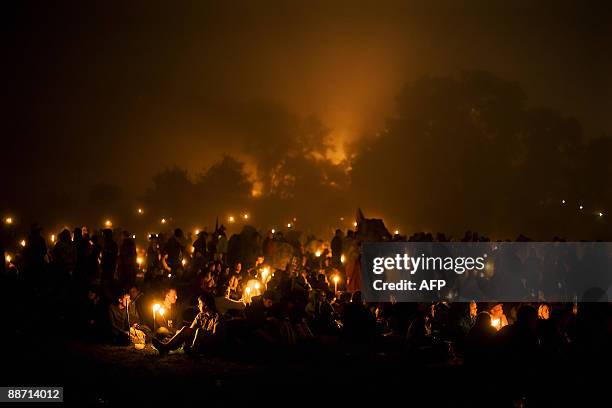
(125, 321)
(166, 320)
(198, 336)
(94, 315)
(263, 318)
(224, 304)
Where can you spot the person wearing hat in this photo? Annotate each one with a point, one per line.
(498, 318)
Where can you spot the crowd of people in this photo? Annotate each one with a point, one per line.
(182, 293)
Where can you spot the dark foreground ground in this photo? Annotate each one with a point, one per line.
(39, 348)
(106, 375)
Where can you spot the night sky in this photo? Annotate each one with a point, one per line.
(320, 101)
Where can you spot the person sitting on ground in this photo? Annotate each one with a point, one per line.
(124, 321)
(137, 299)
(94, 315)
(359, 324)
(263, 317)
(197, 337)
(166, 321)
(226, 305)
(519, 343)
(480, 340)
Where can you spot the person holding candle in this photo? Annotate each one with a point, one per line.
(165, 322)
(498, 318)
(197, 337)
(125, 321)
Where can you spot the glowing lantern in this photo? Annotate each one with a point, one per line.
(318, 253)
(245, 216)
(289, 225)
(355, 224)
(140, 211)
(184, 262)
(8, 220)
(163, 220)
(23, 243)
(108, 223)
(396, 232)
(601, 214)
(139, 261)
(273, 230)
(231, 218)
(342, 258)
(8, 258)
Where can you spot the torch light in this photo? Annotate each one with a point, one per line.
(8, 258)
(140, 211)
(246, 216)
(108, 223)
(318, 253)
(52, 237)
(231, 218)
(163, 220)
(289, 225)
(273, 230)
(8, 220)
(23, 243)
(342, 258)
(139, 261)
(184, 262)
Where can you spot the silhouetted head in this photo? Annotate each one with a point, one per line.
(483, 319)
(527, 317)
(64, 236)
